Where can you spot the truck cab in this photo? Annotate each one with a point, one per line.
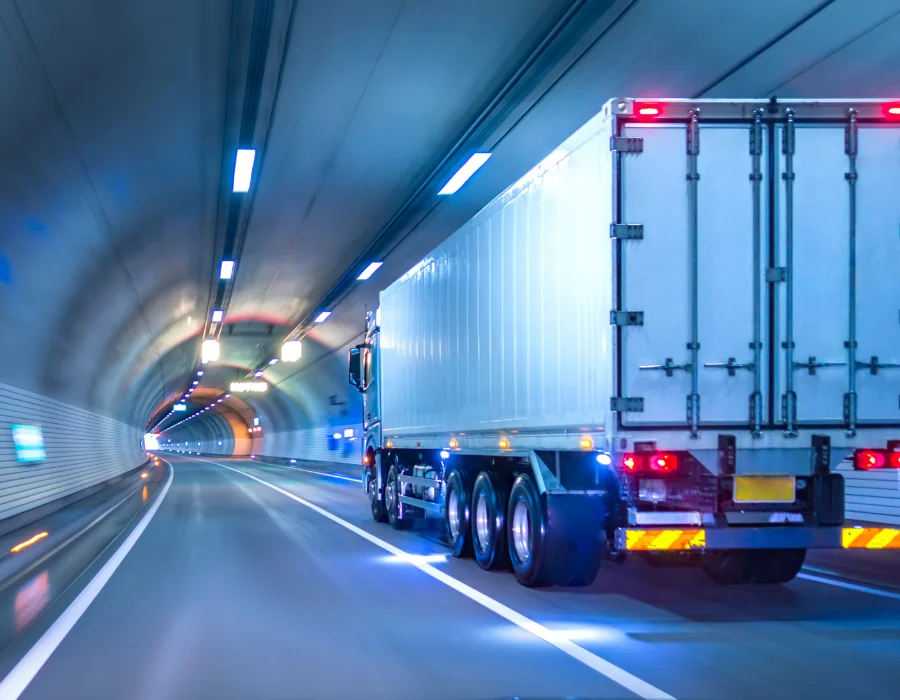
(364, 374)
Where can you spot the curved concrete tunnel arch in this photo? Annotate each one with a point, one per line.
(112, 237)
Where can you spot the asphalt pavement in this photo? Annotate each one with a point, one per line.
(267, 582)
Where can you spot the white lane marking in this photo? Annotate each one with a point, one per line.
(24, 672)
(308, 471)
(850, 586)
(602, 666)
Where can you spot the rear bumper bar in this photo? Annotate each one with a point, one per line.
(774, 537)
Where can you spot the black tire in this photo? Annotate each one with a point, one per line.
(585, 555)
(457, 500)
(488, 516)
(531, 561)
(779, 565)
(379, 510)
(392, 502)
(731, 567)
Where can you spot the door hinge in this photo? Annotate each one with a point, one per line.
(626, 144)
(627, 232)
(626, 318)
(624, 404)
(776, 274)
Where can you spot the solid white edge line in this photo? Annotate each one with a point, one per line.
(850, 586)
(589, 659)
(23, 673)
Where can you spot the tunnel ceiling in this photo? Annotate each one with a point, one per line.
(122, 119)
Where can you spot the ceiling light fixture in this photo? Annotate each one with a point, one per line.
(291, 351)
(217, 315)
(226, 270)
(243, 169)
(209, 351)
(322, 316)
(370, 270)
(468, 169)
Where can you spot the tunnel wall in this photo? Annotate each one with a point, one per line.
(313, 444)
(316, 444)
(82, 449)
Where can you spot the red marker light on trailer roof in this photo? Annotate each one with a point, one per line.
(648, 110)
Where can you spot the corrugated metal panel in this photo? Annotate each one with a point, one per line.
(506, 324)
(873, 496)
(83, 449)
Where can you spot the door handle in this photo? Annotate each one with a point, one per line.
(812, 365)
(669, 367)
(874, 365)
(732, 366)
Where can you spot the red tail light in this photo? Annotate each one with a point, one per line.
(892, 110)
(653, 462)
(876, 459)
(664, 463)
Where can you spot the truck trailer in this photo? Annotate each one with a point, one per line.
(662, 341)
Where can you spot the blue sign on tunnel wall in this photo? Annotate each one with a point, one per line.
(29, 443)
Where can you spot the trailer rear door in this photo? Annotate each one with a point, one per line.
(845, 216)
(658, 192)
(737, 291)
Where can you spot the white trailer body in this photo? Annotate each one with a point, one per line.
(574, 293)
(714, 281)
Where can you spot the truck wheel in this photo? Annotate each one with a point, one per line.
(526, 527)
(736, 566)
(392, 501)
(379, 511)
(489, 521)
(456, 515)
(779, 565)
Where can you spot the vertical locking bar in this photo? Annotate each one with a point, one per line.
(693, 177)
(851, 135)
(756, 407)
(789, 400)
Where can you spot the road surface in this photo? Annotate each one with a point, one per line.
(267, 582)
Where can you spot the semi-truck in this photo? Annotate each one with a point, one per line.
(663, 341)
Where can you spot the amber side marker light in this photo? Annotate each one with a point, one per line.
(28, 543)
(504, 444)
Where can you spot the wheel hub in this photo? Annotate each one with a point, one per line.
(453, 514)
(482, 522)
(521, 531)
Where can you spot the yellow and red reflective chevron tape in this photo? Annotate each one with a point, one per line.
(870, 538)
(664, 539)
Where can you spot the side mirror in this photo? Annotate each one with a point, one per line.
(355, 374)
